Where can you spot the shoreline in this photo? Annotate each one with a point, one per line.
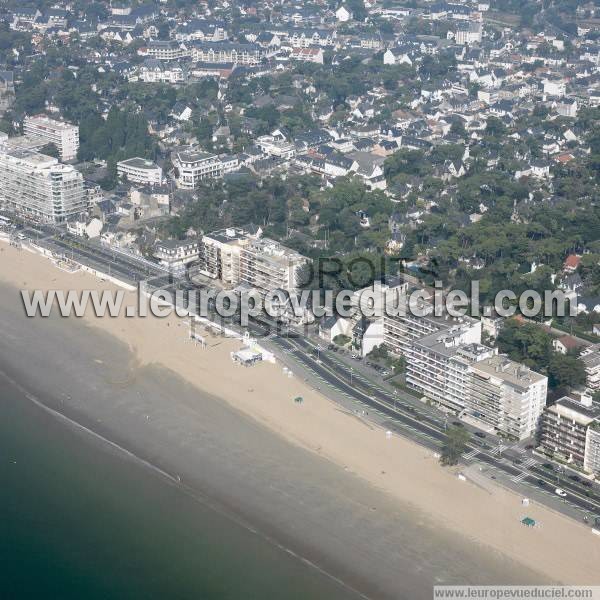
(358, 450)
(123, 452)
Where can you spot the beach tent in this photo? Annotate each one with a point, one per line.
(528, 522)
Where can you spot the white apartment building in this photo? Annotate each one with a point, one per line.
(555, 87)
(565, 430)
(140, 170)
(166, 50)
(469, 33)
(40, 186)
(591, 359)
(448, 365)
(313, 55)
(220, 257)
(507, 396)
(404, 324)
(268, 265)
(175, 254)
(63, 135)
(153, 70)
(226, 52)
(193, 166)
(275, 147)
(591, 464)
(438, 365)
(234, 256)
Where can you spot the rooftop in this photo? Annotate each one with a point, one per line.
(576, 411)
(512, 373)
(139, 163)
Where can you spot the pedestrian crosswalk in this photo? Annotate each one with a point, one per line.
(499, 449)
(519, 477)
(530, 462)
(471, 454)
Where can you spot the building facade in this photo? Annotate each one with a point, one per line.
(63, 135)
(140, 170)
(175, 254)
(571, 433)
(194, 166)
(40, 186)
(234, 256)
(507, 396)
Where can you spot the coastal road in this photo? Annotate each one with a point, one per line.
(431, 432)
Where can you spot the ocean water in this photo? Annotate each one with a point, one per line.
(80, 521)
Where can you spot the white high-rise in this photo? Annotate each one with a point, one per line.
(63, 135)
(40, 186)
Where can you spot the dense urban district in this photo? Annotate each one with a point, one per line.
(238, 144)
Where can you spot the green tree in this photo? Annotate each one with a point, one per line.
(454, 446)
(566, 371)
(50, 150)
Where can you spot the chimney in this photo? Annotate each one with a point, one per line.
(583, 397)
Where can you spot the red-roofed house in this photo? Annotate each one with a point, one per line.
(314, 55)
(565, 343)
(571, 263)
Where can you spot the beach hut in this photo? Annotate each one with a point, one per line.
(528, 522)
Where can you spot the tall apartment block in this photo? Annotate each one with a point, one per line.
(438, 365)
(507, 396)
(571, 432)
(234, 256)
(63, 135)
(40, 186)
(447, 365)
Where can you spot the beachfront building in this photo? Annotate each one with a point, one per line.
(591, 464)
(438, 365)
(175, 254)
(140, 170)
(507, 396)
(193, 166)
(220, 257)
(40, 186)
(404, 324)
(571, 433)
(448, 366)
(235, 256)
(268, 265)
(63, 135)
(590, 357)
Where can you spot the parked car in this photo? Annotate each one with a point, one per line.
(480, 434)
(560, 492)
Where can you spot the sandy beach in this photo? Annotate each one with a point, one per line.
(385, 504)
